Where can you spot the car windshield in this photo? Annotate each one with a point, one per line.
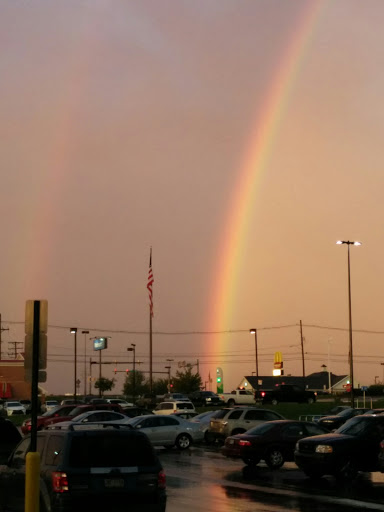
(345, 412)
(52, 411)
(13, 404)
(76, 411)
(260, 429)
(355, 426)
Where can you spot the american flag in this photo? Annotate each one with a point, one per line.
(150, 284)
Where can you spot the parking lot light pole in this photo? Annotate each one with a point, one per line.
(85, 361)
(254, 331)
(73, 330)
(169, 377)
(133, 349)
(348, 243)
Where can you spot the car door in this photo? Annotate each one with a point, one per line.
(150, 427)
(169, 428)
(13, 478)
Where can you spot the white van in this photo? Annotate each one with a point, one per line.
(174, 406)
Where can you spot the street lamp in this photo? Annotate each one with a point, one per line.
(73, 330)
(348, 243)
(85, 361)
(254, 331)
(133, 349)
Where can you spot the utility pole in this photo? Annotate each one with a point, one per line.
(302, 350)
(15, 349)
(1, 330)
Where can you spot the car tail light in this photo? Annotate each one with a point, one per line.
(59, 481)
(263, 394)
(161, 480)
(174, 410)
(382, 445)
(244, 442)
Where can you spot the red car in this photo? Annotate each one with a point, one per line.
(59, 412)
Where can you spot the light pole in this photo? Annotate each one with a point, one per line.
(254, 331)
(169, 377)
(329, 370)
(85, 361)
(133, 349)
(382, 364)
(73, 330)
(104, 341)
(348, 243)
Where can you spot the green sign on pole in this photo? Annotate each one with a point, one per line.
(219, 380)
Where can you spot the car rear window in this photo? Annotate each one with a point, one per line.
(221, 414)
(185, 405)
(108, 450)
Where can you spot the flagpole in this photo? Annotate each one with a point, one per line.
(150, 350)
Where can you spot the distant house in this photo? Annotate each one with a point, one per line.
(314, 382)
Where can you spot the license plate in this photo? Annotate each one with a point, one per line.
(114, 483)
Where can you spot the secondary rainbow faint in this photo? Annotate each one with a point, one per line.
(255, 162)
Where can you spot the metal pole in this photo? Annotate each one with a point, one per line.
(350, 331)
(99, 373)
(150, 352)
(85, 361)
(302, 350)
(134, 373)
(257, 365)
(75, 383)
(90, 375)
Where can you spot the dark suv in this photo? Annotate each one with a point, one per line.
(205, 398)
(98, 469)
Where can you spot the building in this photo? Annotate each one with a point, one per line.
(318, 382)
(12, 379)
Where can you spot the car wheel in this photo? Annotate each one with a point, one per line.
(251, 461)
(183, 441)
(310, 401)
(348, 471)
(274, 402)
(274, 458)
(231, 402)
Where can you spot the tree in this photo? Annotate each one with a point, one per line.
(104, 384)
(187, 382)
(135, 384)
(160, 386)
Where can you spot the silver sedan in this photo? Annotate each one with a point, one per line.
(168, 430)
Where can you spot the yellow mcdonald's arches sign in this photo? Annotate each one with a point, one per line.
(278, 357)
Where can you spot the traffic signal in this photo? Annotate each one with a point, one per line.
(127, 371)
(115, 370)
(219, 380)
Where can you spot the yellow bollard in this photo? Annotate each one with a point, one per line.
(32, 482)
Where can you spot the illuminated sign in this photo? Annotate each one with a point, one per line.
(100, 343)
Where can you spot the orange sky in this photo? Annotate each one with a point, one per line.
(125, 124)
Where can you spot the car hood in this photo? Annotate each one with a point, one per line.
(331, 418)
(327, 438)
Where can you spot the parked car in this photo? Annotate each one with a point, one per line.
(27, 404)
(13, 408)
(353, 447)
(134, 411)
(147, 400)
(205, 398)
(80, 409)
(273, 441)
(237, 420)
(9, 438)
(334, 422)
(285, 393)
(173, 406)
(168, 430)
(71, 401)
(49, 405)
(88, 469)
(92, 417)
(204, 420)
(174, 397)
(186, 415)
(60, 412)
(120, 401)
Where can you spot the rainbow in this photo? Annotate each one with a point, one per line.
(256, 159)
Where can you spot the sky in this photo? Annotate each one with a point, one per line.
(240, 139)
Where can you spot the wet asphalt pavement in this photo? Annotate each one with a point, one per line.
(201, 479)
